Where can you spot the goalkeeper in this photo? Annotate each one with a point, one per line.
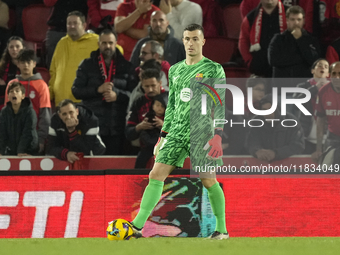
(188, 131)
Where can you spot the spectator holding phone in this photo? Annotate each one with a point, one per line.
(137, 119)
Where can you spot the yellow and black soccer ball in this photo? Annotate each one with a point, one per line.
(119, 229)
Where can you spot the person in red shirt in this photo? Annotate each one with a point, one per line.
(328, 111)
(100, 9)
(131, 23)
(333, 51)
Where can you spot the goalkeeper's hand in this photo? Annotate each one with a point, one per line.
(216, 147)
(160, 143)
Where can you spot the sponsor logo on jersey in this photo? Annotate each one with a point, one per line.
(186, 95)
(329, 103)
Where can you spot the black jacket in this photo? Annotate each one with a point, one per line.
(18, 133)
(84, 139)
(285, 141)
(270, 26)
(292, 58)
(111, 115)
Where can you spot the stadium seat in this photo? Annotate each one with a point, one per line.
(34, 20)
(232, 21)
(44, 73)
(12, 20)
(237, 72)
(219, 49)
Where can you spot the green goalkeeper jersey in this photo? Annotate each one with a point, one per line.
(187, 83)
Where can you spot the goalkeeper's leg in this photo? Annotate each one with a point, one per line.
(152, 194)
(217, 201)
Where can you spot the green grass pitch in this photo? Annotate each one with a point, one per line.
(175, 246)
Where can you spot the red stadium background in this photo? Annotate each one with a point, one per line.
(80, 203)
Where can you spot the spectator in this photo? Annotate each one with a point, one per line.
(5, 33)
(153, 50)
(330, 27)
(272, 141)
(180, 14)
(57, 22)
(70, 51)
(74, 129)
(320, 71)
(162, 33)
(103, 83)
(137, 122)
(8, 65)
(138, 90)
(149, 137)
(131, 23)
(292, 53)
(308, 5)
(333, 51)
(102, 12)
(234, 136)
(18, 134)
(259, 88)
(37, 91)
(257, 30)
(328, 112)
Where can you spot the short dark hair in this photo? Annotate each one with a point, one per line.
(151, 64)
(255, 80)
(26, 55)
(295, 9)
(79, 14)
(14, 85)
(64, 103)
(108, 31)
(193, 27)
(317, 61)
(151, 73)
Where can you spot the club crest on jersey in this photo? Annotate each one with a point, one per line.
(186, 95)
(199, 77)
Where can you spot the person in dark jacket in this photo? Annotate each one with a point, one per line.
(18, 121)
(257, 30)
(74, 129)
(161, 32)
(292, 53)
(137, 121)
(149, 137)
(103, 83)
(273, 141)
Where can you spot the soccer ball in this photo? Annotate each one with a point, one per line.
(119, 229)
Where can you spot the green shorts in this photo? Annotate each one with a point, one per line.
(174, 152)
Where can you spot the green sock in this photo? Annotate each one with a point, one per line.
(151, 196)
(217, 201)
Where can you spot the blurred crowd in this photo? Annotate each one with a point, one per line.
(98, 83)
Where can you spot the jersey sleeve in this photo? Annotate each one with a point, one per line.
(171, 104)
(219, 112)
